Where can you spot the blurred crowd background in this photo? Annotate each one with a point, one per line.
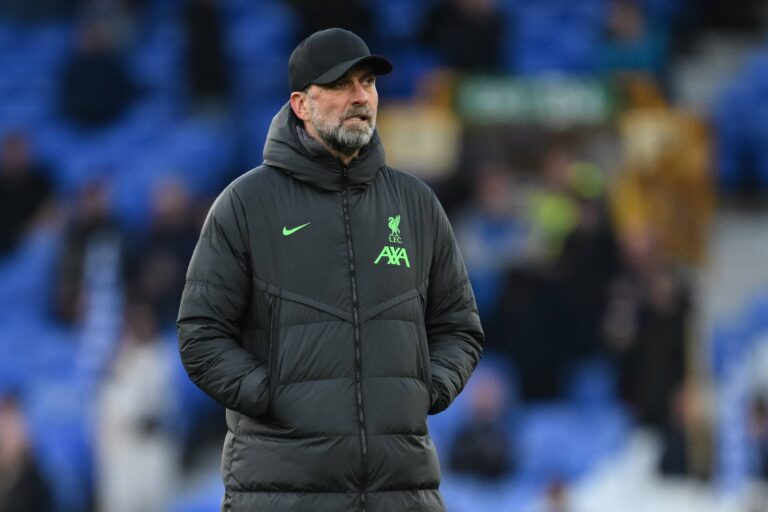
(605, 167)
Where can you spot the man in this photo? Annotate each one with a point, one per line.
(327, 306)
(25, 190)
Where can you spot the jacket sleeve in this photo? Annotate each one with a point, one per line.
(452, 321)
(216, 295)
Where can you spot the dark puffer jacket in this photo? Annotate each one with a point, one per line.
(329, 310)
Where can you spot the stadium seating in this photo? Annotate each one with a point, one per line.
(734, 346)
(741, 128)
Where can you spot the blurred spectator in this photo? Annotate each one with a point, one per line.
(532, 325)
(206, 56)
(632, 45)
(96, 87)
(468, 34)
(492, 233)
(352, 15)
(551, 312)
(589, 261)
(118, 19)
(664, 183)
(647, 325)
(91, 223)
(159, 264)
(674, 457)
(481, 447)
(532, 321)
(555, 498)
(553, 208)
(24, 189)
(22, 487)
(138, 454)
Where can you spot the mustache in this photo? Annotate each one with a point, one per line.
(361, 111)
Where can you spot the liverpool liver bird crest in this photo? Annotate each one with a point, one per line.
(394, 226)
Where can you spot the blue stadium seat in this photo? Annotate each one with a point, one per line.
(157, 62)
(664, 11)
(582, 438)
(731, 120)
(592, 384)
(554, 36)
(200, 151)
(28, 273)
(732, 446)
(8, 35)
(756, 314)
(729, 344)
(260, 43)
(57, 415)
(205, 498)
(399, 20)
(467, 494)
(131, 188)
(260, 31)
(253, 126)
(162, 10)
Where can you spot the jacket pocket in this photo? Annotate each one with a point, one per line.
(274, 347)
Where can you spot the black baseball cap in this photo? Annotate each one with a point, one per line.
(327, 54)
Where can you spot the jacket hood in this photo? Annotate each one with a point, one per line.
(306, 160)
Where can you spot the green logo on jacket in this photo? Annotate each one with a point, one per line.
(394, 255)
(394, 226)
(288, 232)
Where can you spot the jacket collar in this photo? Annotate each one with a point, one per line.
(291, 150)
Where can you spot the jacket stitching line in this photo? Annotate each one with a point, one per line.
(211, 285)
(453, 290)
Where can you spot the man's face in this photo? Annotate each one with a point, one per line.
(343, 113)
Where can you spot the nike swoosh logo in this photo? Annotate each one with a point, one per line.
(291, 231)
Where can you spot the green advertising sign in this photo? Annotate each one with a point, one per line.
(557, 102)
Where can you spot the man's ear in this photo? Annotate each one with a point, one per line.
(299, 105)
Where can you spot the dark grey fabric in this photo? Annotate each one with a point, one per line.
(328, 355)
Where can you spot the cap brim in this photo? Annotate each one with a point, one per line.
(380, 66)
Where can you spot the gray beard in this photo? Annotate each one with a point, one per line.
(345, 139)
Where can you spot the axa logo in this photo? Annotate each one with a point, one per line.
(394, 255)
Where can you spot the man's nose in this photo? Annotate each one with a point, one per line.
(359, 94)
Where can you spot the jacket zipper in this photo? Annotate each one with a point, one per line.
(272, 352)
(358, 357)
